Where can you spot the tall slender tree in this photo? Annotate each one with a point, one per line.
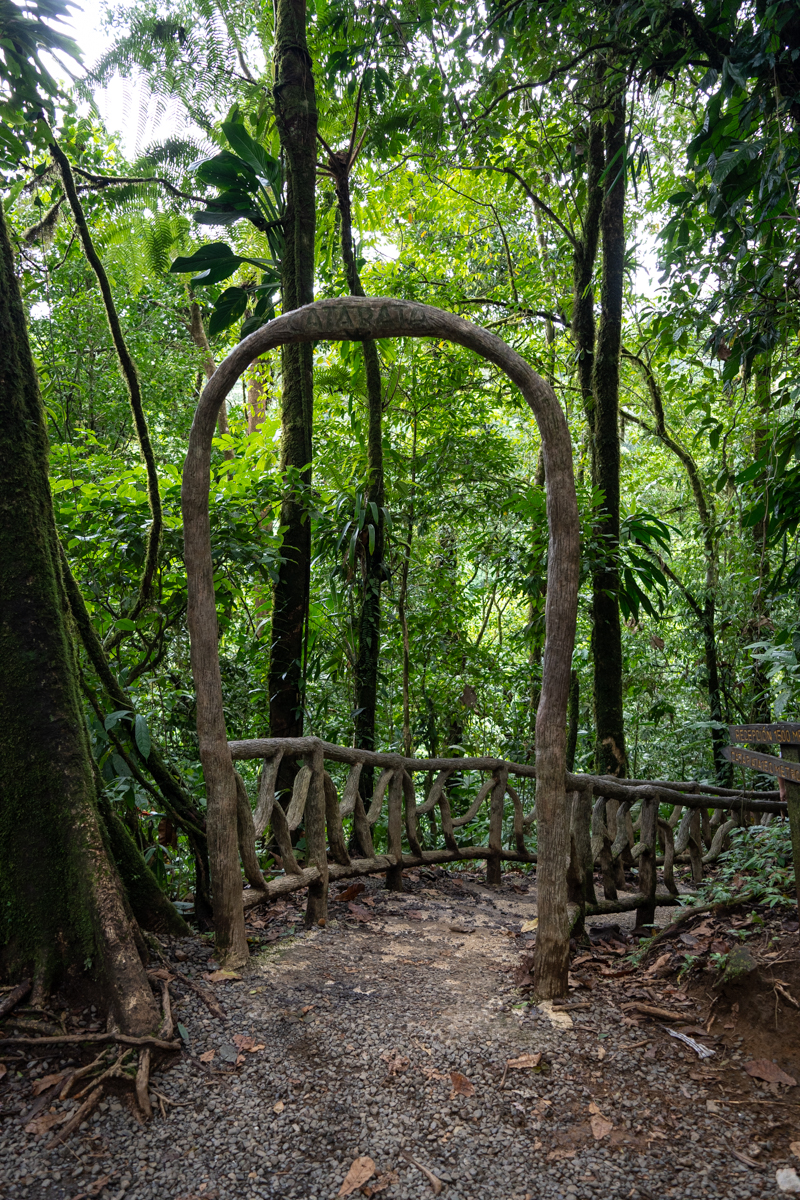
(296, 117)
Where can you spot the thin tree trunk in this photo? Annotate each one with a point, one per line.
(369, 619)
(705, 609)
(63, 909)
(761, 704)
(200, 338)
(610, 754)
(402, 604)
(296, 119)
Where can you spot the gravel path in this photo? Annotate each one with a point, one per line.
(354, 1033)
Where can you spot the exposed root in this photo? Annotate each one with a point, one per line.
(77, 1119)
(123, 1039)
(143, 1083)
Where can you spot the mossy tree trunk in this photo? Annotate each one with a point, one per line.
(63, 907)
(296, 118)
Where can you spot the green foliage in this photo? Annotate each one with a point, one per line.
(757, 866)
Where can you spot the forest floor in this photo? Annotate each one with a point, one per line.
(400, 1035)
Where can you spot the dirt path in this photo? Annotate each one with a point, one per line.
(355, 1032)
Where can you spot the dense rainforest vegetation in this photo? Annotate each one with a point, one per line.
(612, 188)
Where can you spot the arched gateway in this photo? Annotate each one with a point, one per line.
(353, 319)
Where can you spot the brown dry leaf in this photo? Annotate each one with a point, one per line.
(44, 1122)
(583, 958)
(432, 1073)
(3, 1070)
(461, 1085)
(524, 1061)
(360, 1171)
(762, 1068)
(395, 1061)
(208, 1056)
(385, 1180)
(601, 1052)
(660, 962)
(161, 973)
(350, 893)
(794, 1148)
(255, 1049)
(239, 1059)
(41, 1085)
(360, 913)
(416, 914)
(530, 926)
(279, 1107)
(555, 1155)
(243, 1042)
(601, 1127)
(221, 976)
(306, 1009)
(369, 900)
(95, 1188)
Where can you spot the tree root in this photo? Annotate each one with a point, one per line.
(143, 1083)
(14, 997)
(77, 1119)
(123, 1039)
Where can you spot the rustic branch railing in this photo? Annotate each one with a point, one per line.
(602, 829)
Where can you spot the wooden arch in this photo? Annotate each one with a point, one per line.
(353, 319)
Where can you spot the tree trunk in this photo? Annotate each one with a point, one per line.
(610, 754)
(369, 619)
(63, 909)
(296, 119)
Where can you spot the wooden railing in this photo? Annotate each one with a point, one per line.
(606, 814)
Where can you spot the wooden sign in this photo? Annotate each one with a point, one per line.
(763, 762)
(786, 734)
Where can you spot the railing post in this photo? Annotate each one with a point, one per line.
(394, 874)
(646, 914)
(317, 907)
(494, 866)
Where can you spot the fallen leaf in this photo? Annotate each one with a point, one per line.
(432, 1073)
(48, 1081)
(530, 926)
(524, 1061)
(601, 1127)
(279, 1107)
(461, 1085)
(788, 1180)
(395, 1061)
(3, 1070)
(360, 1171)
(161, 973)
(239, 1059)
(242, 1042)
(416, 914)
(255, 1049)
(794, 1148)
(360, 913)
(368, 900)
(306, 1009)
(45, 1121)
(762, 1068)
(383, 1181)
(555, 1155)
(221, 976)
(601, 1052)
(350, 893)
(208, 1056)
